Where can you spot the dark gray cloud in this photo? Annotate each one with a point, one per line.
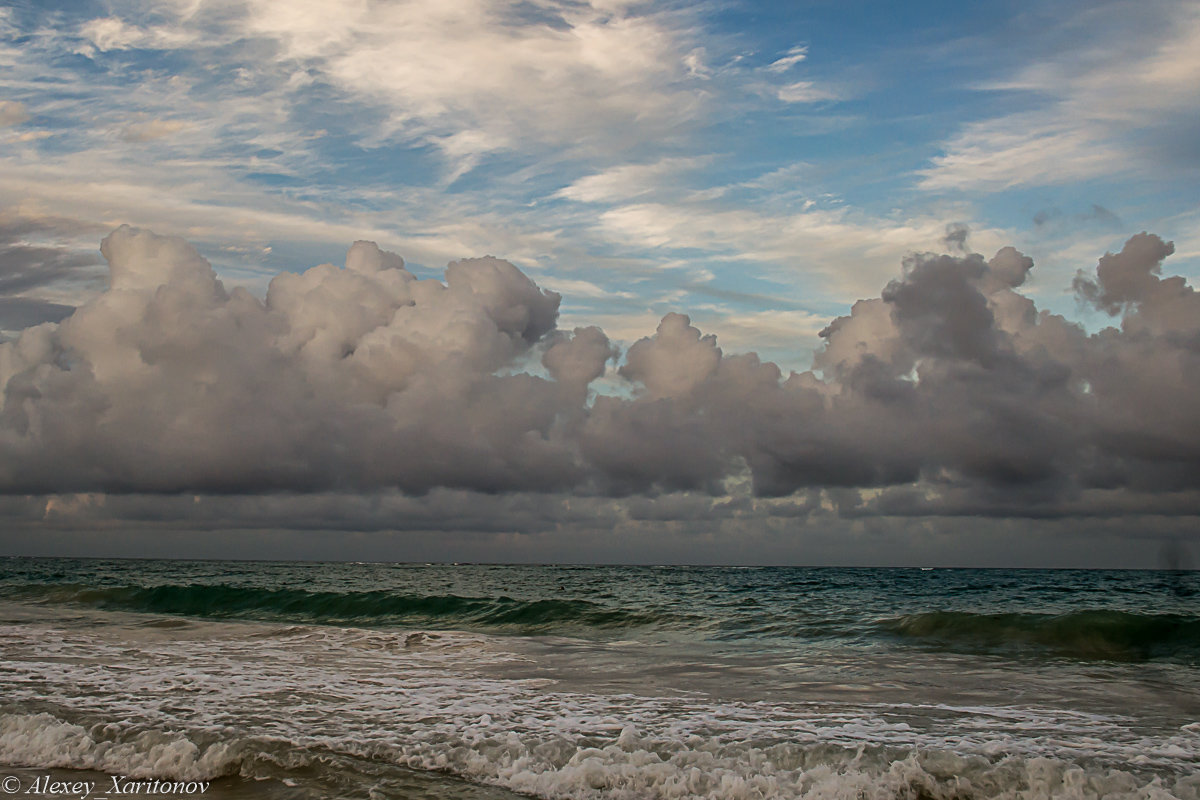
(24, 267)
(1046, 215)
(32, 254)
(956, 236)
(20, 312)
(1127, 278)
(34, 257)
(465, 526)
(1101, 214)
(1095, 215)
(950, 395)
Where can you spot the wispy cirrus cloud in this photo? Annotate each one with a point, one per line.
(1100, 109)
(277, 120)
(811, 242)
(113, 33)
(790, 59)
(152, 129)
(805, 92)
(627, 181)
(1030, 149)
(12, 113)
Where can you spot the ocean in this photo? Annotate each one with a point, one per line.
(346, 680)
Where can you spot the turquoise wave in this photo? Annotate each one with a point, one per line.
(1087, 634)
(365, 608)
(1081, 634)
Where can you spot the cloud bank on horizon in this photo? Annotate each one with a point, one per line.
(948, 394)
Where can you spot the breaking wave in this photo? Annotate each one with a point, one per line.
(627, 765)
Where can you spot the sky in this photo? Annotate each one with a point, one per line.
(850, 283)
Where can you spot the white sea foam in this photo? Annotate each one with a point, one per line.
(238, 695)
(631, 767)
(42, 740)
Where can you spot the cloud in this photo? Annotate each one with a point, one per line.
(435, 129)
(949, 393)
(12, 113)
(29, 262)
(956, 237)
(1127, 279)
(150, 130)
(817, 241)
(39, 266)
(1024, 150)
(580, 288)
(1046, 216)
(793, 57)
(1099, 213)
(332, 379)
(509, 74)
(805, 92)
(113, 33)
(627, 181)
(463, 526)
(17, 313)
(468, 78)
(1102, 108)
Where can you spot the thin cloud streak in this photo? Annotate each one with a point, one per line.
(1098, 110)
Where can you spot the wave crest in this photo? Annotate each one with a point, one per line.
(365, 608)
(1090, 634)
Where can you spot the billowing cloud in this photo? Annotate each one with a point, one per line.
(949, 393)
(362, 376)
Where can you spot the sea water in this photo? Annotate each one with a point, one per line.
(290, 680)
